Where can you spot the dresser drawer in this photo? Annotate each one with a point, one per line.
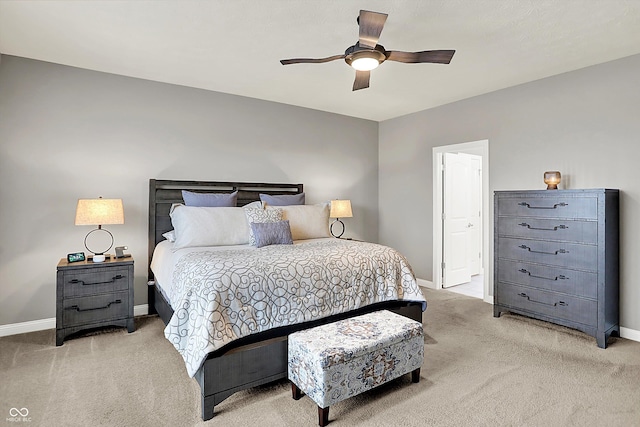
(561, 254)
(95, 281)
(549, 207)
(84, 310)
(557, 279)
(550, 304)
(549, 229)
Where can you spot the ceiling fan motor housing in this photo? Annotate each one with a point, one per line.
(356, 51)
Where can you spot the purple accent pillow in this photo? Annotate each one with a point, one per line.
(282, 199)
(210, 200)
(272, 233)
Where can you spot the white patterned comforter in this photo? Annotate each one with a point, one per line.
(222, 295)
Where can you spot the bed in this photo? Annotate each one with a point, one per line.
(252, 349)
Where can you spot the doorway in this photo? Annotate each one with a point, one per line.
(461, 218)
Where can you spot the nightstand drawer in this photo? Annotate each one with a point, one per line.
(98, 308)
(95, 281)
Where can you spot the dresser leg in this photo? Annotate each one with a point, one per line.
(59, 338)
(131, 326)
(496, 311)
(601, 339)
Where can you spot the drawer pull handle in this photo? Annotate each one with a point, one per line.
(113, 279)
(559, 251)
(556, 228)
(562, 303)
(561, 277)
(527, 205)
(76, 308)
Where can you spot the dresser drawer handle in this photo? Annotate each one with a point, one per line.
(527, 205)
(559, 251)
(561, 277)
(556, 228)
(76, 308)
(562, 303)
(113, 279)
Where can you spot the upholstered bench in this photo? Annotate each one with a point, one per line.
(332, 362)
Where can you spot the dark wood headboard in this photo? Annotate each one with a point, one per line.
(164, 193)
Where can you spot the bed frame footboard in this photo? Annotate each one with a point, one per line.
(263, 361)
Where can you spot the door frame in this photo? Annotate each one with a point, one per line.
(480, 148)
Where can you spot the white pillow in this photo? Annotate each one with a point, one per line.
(307, 221)
(259, 215)
(170, 236)
(206, 226)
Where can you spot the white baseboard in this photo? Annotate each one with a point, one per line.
(24, 327)
(43, 324)
(140, 310)
(426, 283)
(143, 309)
(630, 334)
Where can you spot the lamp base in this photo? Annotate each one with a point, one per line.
(331, 228)
(99, 258)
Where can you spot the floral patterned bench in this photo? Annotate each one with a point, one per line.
(332, 362)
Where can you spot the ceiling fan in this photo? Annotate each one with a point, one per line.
(367, 54)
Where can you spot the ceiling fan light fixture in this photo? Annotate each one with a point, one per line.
(365, 60)
(365, 63)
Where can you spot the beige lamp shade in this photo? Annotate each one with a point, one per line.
(99, 212)
(341, 209)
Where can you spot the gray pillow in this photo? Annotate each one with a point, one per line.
(283, 199)
(261, 215)
(272, 233)
(210, 200)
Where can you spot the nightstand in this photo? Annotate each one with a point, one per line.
(91, 295)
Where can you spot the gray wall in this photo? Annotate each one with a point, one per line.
(585, 124)
(67, 133)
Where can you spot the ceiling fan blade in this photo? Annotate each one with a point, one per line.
(371, 24)
(310, 60)
(362, 80)
(434, 56)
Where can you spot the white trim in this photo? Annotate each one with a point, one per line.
(24, 327)
(143, 309)
(478, 148)
(140, 310)
(630, 334)
(425, 283)
(44, 324)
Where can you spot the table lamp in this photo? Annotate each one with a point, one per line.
(340, 209)
(552, 179)
(99, 212)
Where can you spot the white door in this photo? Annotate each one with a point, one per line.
(456, 222)
(475, 213)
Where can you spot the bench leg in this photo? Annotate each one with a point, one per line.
(415, 375)
(323, 416)
(295, 392)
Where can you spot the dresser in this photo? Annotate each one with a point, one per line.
(556, 258)
(91, 295)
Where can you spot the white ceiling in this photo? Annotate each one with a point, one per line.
(234, 46)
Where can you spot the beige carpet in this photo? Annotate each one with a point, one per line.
(478, 371)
